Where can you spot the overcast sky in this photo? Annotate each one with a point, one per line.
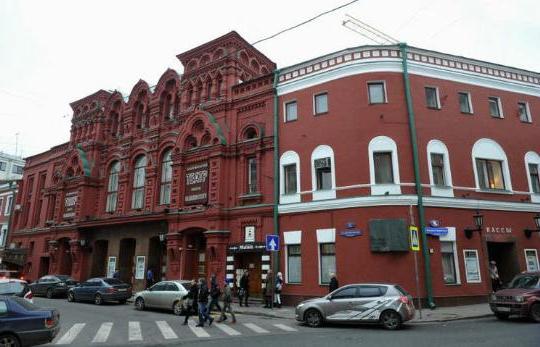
(55, 52)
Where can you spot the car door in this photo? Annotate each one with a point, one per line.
(163, 295)
(173, 294)
(151, 299)
(4, 312)
(370, 302)
(340, 304)
(80, 291)
(39, 288)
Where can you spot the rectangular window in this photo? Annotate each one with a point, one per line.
(384, 173)
(7, 209)
(472, 266)
(252, 175)
(327, 253)
(448, 262)
(294, 264)
(531, 259)
(166, 179)
(321, 103)
(437, 169)
(3, 166)
(377, 94)
(524, 114)
(490, 174)
(495, 107)
(432, 97)
(535, 179)
(291, 111)
(465, 102)
(17, 169)
(1, 206)
(290, 179)
(323, 173)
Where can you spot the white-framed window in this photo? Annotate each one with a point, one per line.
(495, 107)
(17, 169)
(377, 92)
(440, 175)
(9, 202)
(323, 173)
(166, 178)
(291, 111)
(293, 255)
(449, 256)
(112, 187)
(3, 235)
(531, 259)
(290, 177)
(139, 177)
(3, 166)
(524, 112)
(383, 166)
(472, 266)
(432, 97)
(490, 166)
(1, 206)
(465, 102)
(320, 103)
(532, 167)
(326, 242)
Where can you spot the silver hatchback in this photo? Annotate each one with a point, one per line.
(165, 295)
(386, 304)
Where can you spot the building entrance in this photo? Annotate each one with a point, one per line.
(99, 258)
(251, 262)
(125, 260)
(504, 254)
(43, 266)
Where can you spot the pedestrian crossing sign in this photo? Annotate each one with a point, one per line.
(414, 238)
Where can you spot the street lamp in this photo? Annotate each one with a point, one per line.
(478, 222)
(528, 232)
(162, 237)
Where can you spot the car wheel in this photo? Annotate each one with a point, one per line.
(98, 300)
(390, 320)
(71, 297)
(502, 316)
(178, 308)
(49, 293)
(139, 304)
(9, 340)
(313, 318)
(535, 312)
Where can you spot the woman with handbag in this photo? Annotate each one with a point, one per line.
(279, 287)
(190, 301)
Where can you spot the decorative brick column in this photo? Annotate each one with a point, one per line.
(216, 251)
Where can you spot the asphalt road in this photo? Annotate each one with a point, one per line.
(121, 325)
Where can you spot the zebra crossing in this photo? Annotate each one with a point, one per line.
(137, 332)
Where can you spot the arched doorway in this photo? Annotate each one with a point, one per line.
(125, 259)
(99, 258)
(195, 258)
(64, 257)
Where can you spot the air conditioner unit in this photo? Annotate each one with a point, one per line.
(322, 163)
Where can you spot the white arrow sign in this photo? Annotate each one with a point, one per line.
(273, 245)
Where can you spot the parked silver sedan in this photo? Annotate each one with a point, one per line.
(385, 304)
(165, 295)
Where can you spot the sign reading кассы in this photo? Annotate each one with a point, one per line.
(196, 191)
(70, 201)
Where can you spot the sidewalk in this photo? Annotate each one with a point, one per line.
(441, 314)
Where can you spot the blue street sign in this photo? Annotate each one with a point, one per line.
(436, 231)
(272, 243)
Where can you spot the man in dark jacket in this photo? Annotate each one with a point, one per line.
(202, 298)
(190, 298)
(244, 286)
(214, 294)
(227, 300)
(333, 283)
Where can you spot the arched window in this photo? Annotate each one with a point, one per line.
(532, 167)
(289, 164)
(139, 173)
(490, 165)
(112, 187)
(383, 166)
(323, 173)
(166, 178)
(250, 133)
(440, 175)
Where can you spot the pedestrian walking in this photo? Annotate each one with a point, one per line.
(202, 298)
(149, 278)
(190, 301)
(494, 275)
(214, 294)
(268, 289)
(227, 300)
(279, 287)
(334, 284)
(244, 288)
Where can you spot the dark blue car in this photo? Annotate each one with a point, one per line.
(100, 290)
(25, 324)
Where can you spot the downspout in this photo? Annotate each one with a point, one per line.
(276, 163)
(417, 181)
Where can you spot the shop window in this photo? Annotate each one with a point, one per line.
(448, 255)
(384, 172)
(472, 266)
(320, 103)
(432, 97)
(112, 188)
(327, 252)
(495, 107)
(377, 92)
(465, 104)
(291, 111)
(252, 175)
(294, 264)
(524, 112)
(531, 259)
(138, 183)
(166, 178)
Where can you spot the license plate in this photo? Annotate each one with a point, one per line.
(122, 290)
(503, 309)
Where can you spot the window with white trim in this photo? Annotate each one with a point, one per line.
(289, 177)
(3, 235)
(383, 166)
(524, 112)
(384, 173)
(432, 97)
(9, 203)
(448, 262)
(535, 180)
(327, 265)
(3, 166)
(17, 169)
(291, 111)
(490, 166)
(532, 166)
(495, 107)
(252, 175)
(139, 174)
(437, 169)
(320, 103)
(465, 103)
(376, 92)
(531, 260)
(490, 174)
(166, 178)
(472, 266)
(112, 187)
(294, 264)
(440, 175)
(1, 206)
(323, 173)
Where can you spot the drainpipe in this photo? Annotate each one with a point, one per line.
(276, 164)
(417, 181)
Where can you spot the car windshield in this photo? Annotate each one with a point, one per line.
(64, 278)
(112, 281)
(524, 282)
(11, 287)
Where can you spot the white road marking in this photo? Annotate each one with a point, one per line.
(285, 327)
(166, 330)
(256, 328)
(71, 334)
(227, 329)
(200, 332)
(135, 333)
(103, 332)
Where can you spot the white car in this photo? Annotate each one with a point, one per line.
(16, 287)
(165, 295)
